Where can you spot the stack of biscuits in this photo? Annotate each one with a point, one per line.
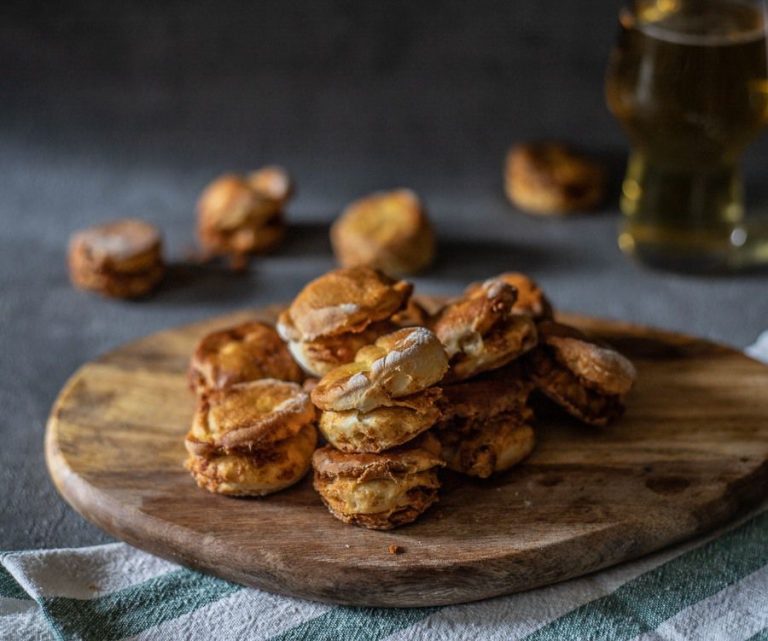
(380, 468)
(339, 313)
(400, 393)
(253, 431)
(243, 215)
(121, 259)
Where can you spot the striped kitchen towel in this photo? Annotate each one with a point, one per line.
(715, 588)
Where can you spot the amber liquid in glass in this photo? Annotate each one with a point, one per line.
(688, 83)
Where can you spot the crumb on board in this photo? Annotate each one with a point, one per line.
(395, 549)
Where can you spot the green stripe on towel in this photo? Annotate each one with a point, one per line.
(9, 588)
(135, 609)
(644, 603)
(355, 624)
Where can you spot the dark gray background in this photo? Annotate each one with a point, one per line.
(128, 109)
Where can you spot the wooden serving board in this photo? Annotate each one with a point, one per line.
(690, 453)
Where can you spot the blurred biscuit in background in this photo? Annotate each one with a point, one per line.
(550, 178)
(389, 231)
(240, 216)
(122, 259)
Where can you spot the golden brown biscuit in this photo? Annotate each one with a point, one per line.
(245, 352)
(342, 301)
(548, 178)
(379, 491)
(249, 416)
(399, 364)
(389, 231)
(496, 447)
(122, 259)
(320, 356)
(273, 182)
(414, 315)
(484, 428)
(480, 332)
(384, 427)
(235, 220)
(530, 299)
(588, 380)
(256, 472)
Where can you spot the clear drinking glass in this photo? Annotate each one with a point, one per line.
(688, 81)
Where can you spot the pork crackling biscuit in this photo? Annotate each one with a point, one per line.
(338, 313)
(386, 230)
(379, 491)
(236, 218)
(587, 379)
(485, 425)
(252, 438)
(122, 258)
(399, 364)
(245, 352)
(480, 332)
(530, 299)
(546, 178)
(382, 428)
(258, 472)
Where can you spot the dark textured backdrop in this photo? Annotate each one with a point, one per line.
(128, 108)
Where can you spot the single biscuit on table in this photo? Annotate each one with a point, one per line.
(252, 438)
(246, 352)
(382, 428)
(337, 314)
(256, 472)
(546, 178)
(587, 379)
(249, 415)
(399, 364)
(122, 259)
(480, 332)
(389, 231)
(530, 299)
(379, 491)
(234, 219)
(485, 424)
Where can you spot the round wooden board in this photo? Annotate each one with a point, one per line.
(690, 454)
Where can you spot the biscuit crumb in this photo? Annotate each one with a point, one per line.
(395, 549)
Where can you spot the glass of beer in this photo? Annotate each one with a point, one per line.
(688, 81)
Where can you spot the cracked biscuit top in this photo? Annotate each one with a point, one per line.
(343, 300)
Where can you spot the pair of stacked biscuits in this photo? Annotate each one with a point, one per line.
(398, 392)
(253, 431)
(243, 215)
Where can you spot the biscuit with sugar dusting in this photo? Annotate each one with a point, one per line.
(587, 379)
(343, 300)
(480, 332)
(319, 356)
(383, 427)
(245, 352)
(379, 491)
(399, 364)
(249, 416)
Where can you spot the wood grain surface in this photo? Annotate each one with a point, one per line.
(690, 453)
